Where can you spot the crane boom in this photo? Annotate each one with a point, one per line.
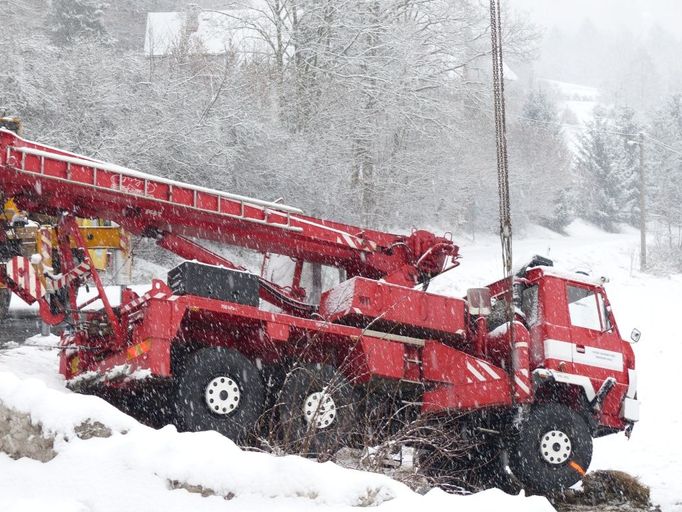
(47, 180)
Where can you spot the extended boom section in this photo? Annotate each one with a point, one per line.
(51, 181)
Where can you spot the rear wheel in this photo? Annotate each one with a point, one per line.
(219, 389)
(553, 449)
(5, 297)
(491, 470)
(315, 410)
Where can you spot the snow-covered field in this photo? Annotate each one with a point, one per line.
(131, 470)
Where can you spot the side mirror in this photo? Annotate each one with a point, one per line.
(479, 301)
(635, 335)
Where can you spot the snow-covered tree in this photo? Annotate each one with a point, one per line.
(664, 183)
(540, 162)
(369, 112)
(73, 20)
(595, 166)
(627, 163)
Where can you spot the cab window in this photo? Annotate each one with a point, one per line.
(583, 308)
(529, 305)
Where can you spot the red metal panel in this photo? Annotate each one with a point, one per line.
(230, 207)
(32, 161)
(207, 201)
(360, 299)
(467, 397)
(157, 190)
(471, 382)
(82, 174)
(132, 185)
(553, 301)
(383, 358)
(278, 331)
(107, 179)
(253, 212)
(54, 168)
(183, 196)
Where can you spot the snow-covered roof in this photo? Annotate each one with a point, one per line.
(509, 73)
(481, 68)
(573, 92)
(206, 32)
(573, 276)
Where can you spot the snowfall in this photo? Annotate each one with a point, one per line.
(132, 469)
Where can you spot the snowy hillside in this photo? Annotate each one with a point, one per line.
(137, 468)
(575, 104)
(141, 469)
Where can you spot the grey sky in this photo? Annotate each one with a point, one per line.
(635, 15)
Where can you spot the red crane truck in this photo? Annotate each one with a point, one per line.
(542, 388)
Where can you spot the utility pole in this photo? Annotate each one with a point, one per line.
(642, 206)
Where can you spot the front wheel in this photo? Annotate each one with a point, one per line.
(219, 389)
(553, 449)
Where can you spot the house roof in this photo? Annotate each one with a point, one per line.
(509, 73)
(207, 32)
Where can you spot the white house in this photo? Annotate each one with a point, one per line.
(240, 30)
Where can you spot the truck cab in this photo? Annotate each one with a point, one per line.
(573, 343)
(574, 340)
(582, 379)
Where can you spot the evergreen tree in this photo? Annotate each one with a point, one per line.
(564, 210)
(627, 164)
(73, 20)
(664, 182)
(541, 163)
(596, 168)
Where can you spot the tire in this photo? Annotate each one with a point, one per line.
(491, 471)
(553, 449)
(477, 462)
(316, 413)
(232, 385)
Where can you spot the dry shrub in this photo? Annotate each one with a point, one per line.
(608, 487)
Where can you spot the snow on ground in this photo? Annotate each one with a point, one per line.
(130, 470)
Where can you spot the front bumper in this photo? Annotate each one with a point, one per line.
(630, 409)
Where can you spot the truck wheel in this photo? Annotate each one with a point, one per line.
(316, 410)
(553, 449)
(491, 471)
(219, 389)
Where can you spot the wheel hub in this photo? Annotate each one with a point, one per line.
(319, 410)
(555, 447)
(222, 395)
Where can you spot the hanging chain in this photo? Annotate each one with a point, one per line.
(501, 143)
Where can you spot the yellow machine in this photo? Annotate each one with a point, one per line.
(28, 238)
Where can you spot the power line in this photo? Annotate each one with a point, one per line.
(582, 127)
(555, 123)
(662, 144)
(610, 132)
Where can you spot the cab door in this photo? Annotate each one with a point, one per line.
(596, 345)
